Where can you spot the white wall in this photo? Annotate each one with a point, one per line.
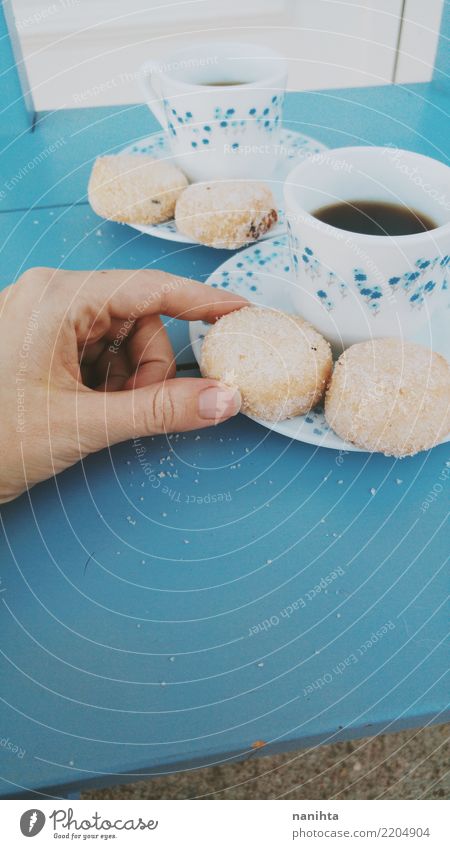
(87, 52)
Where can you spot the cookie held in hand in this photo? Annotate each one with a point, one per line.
(279, 363)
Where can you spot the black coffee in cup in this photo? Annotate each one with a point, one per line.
(375, 218)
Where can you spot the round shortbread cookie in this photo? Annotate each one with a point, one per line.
(135, 188)
(391, 396)
(279, 363)
(226, 214)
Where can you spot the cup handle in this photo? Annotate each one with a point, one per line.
(147, 78)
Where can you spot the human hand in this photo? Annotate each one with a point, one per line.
(87, 363)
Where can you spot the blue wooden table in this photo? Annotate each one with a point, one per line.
(207, 597)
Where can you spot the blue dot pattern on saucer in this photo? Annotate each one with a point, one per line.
(248, 264)
(292, 144)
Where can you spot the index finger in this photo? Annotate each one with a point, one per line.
(137, 293)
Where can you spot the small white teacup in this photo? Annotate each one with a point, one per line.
(221, 105)
(352, 286)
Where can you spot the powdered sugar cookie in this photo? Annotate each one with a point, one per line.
(279, 363)
(391, 396)
(226, 214)
(135, 188)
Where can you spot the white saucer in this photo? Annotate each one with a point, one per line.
(262, 273)
(293, 148)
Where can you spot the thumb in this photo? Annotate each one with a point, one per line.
(171, 405)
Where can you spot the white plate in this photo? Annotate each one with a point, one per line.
(262, 274)
(293, 148)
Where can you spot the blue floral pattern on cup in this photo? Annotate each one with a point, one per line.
(227, 121)
(416, 284)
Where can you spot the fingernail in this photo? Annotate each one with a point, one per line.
(218, 402)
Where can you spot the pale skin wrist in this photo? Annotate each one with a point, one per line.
(87, 363)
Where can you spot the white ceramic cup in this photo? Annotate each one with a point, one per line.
(352, 286)
(219, 131)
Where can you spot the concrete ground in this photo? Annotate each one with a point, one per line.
(407, 765)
